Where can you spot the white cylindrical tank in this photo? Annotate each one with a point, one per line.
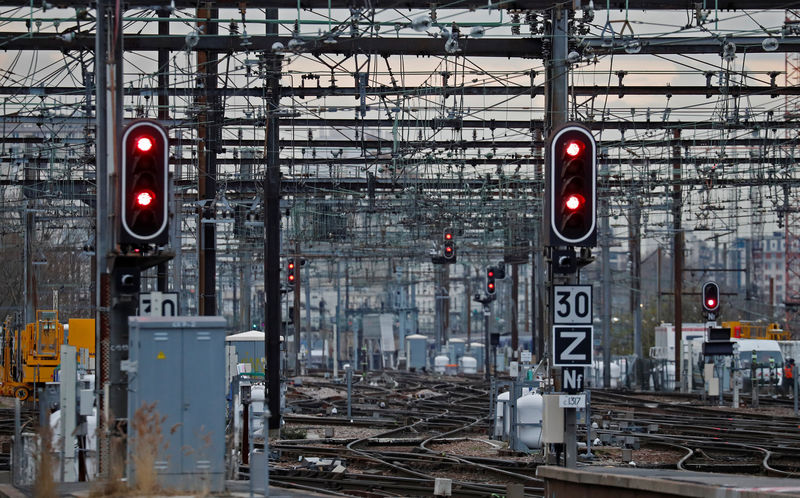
(529, 411)
(469, 365)
(457, 347)
(499, 414)
(417, 351)
(440, 363)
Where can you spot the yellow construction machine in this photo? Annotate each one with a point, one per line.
(753, 330)
(31, 355)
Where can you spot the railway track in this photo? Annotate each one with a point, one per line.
(408, 423)
(712, 439)
(408, 430)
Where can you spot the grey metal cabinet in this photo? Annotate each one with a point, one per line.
(178, 363)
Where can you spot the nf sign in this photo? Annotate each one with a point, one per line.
(572, 379)
(572, 345)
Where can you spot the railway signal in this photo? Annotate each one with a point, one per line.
(145, 187)
(491, 274)
(710, 299)
(290, 276)
(449, 246)
(572, 187)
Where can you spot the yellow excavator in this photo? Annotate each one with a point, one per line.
(753, 330)
(31, 355)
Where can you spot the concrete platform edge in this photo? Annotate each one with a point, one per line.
(596, 478)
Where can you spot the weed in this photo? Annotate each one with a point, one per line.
(293, 433)
(146, 443)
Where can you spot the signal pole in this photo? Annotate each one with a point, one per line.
(102, 236)
(570, 222)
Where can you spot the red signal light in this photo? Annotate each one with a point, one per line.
(291, 278)
(574, 148)
(145, 198)
(490, 273)
(144, 143)
(571, 186)
(291, 265)
(573, 202)
(144, 178)
(711, 295)
(490, 285)
(448, 236)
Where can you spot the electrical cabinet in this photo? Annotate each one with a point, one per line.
(177, 367)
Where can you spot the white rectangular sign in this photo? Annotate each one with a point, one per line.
(572, 401)
(572, 305)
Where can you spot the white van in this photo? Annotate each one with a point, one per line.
(768, 357)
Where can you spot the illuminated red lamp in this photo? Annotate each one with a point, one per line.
(573, 202)
(574, 148)
(145, 198)
(144, 143)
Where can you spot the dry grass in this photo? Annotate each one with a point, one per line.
(146, 442)
(114, 485)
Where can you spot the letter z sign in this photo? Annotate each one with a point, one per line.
(572, 345)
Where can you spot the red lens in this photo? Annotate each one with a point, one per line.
(145, 198)
(711, 302)
(144, 144)
(574, 202)
(573, 148)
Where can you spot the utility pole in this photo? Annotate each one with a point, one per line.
(514, 310)
(208, 128)
(336, 338)
(636, 277)
(163, 114)
(677, 251)
(307, 290)
(606, 240)
(296, 311)
(272, 234)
